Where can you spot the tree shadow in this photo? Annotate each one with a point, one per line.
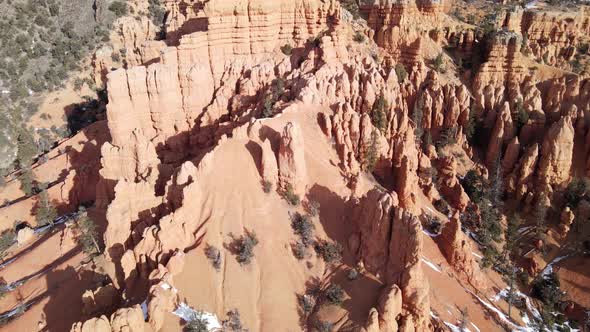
(65, 289)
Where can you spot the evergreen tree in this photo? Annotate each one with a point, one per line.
(26, 148)
(539, 215)
(417, 118)
(46, 212)
(87, 234)
(27, 181)
(379, 113)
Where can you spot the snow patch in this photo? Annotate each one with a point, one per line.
(429, 234)
(549, 268)
(188, 314)
(431, 265)
(144, 309)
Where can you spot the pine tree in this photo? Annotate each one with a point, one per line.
(46, 212)
(27, 149)
(27, 181)
(87, 234)
(379, 113)
(417, 119)
(539, 215)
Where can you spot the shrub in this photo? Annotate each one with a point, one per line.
(433, 224)
(233, 322)
(119, 8)
(196, 322)
(330, 252)
(87, 235)
(299, 250)
(303, 227)
(306, 303)
(447, 137)
(401, 72)
(287, 49)
(521, 116)
(7, 239)
(244, 247)
(546, 289)
(359, 37)
(334, 294)
(442, 206)
(290, 195)
(352, 274)
(266, 186)
(576, 191)
(438, 63)
(46, 212)
(379, 113)
(323, 326)
(214, 256)
(372, 155)
(313, 208)
(473, 183)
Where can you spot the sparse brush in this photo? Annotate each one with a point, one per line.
(334, 294)
(290, 195)
(214, 256)
(330, 252)
(266, 186)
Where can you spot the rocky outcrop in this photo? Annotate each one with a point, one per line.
(292, 168)
(123, 320)
(450, 187)
(553, 36)
(456, 248)
(556, 154)
(390, 246)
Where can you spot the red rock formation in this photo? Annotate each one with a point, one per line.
(455, 246)
(390, 245)
(556, 154)
(292, 169)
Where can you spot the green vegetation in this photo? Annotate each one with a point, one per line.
(401, 72)
(290, 195)
(45, 212)
(331, 252)
(287, 49)
(380, 113)
(196, 323)
(303, 227)
(7, 239)
(273, 95)
(577, 190)
(372, 155)
(446, 137)
(352, 7)
(233, 323)
(243, 247)
(87, 235)
(359, 37)
(473, 184)
(334, 294)
(266, 186)
(214, 256)
(438, 63)
(119, 8)
(546, 288)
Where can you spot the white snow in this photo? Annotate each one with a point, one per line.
(431, 264)
(428, 233)
(455, 328)
(187, 314)
(476, 255)
(144, 308)
(475, 327)
(549, 268)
